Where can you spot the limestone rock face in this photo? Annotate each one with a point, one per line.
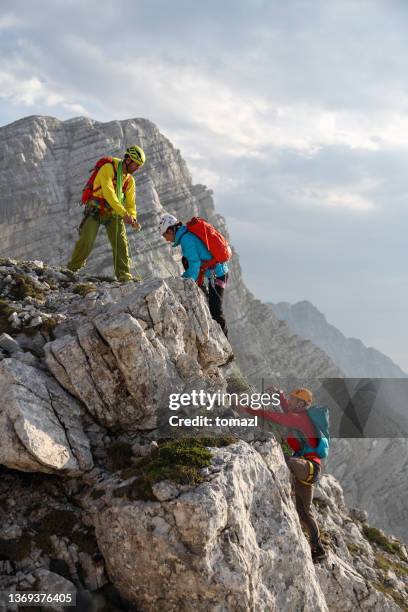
(136, 347)
(39, 213)
(221, 546)
(40, 426)
(234, 543)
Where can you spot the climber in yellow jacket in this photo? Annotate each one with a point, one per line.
(110, 200)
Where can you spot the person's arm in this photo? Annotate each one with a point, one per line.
(106, 175)
(130, 197)
(299, 421)
(190, 252)
(283, 401)
(284, 404)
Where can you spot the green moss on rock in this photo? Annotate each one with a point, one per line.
(354, 549)
(287, 450)
(24, 287)
(5, 312)
(382, 562)
(83, 289)
(375, 536)
(179, 460)
(49, 325)
(390, 592)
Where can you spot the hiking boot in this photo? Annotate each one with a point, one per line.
(318, 553)
(136, 278)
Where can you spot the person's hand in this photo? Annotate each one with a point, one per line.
(128, 219)
(272, 389)
(132, 221)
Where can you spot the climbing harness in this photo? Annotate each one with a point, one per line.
(314, 472)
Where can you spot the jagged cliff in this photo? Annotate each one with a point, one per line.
(43, 166)
(96, 498)
(350, 354)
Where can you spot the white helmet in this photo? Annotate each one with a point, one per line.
(165, 222)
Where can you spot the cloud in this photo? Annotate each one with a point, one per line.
(296, 118)
(8, 21)
(32, 92)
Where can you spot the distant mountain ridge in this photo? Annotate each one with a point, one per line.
(349, 354)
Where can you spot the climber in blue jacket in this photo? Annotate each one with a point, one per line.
(195, 253)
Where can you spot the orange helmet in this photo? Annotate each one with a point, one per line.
(303, 394)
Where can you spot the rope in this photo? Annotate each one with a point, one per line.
(170, 272)
(119, 194)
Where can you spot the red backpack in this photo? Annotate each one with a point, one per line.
(213, 240)
(88, 191)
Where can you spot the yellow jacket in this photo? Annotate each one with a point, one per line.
(104, 186)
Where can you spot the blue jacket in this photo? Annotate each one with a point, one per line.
(195, 251)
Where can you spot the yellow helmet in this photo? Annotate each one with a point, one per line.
(303, 394)
(136, 154)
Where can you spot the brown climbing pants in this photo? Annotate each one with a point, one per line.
(299, 468)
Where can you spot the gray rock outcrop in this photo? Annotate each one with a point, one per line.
(235, 543)
(221, 546)
(39, 216)
(125, 358)
(115, 351)
(40, 425)
(146, 527)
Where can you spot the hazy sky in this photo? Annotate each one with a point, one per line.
(294, 113)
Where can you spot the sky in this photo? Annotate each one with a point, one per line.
(294, 113)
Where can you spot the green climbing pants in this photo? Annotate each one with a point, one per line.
(115, 228)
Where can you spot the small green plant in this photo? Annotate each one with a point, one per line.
(23, 287)
(178, 460)
(83, 289)
(326, 538)
(377, 537)
(49, 324)
(354, 549)
(399, 599)
(385, 564)
(5, 312)
(287, 450)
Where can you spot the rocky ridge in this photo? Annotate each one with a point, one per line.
(125, 515)
(39, 214)
(350, 354)
(43, 165)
